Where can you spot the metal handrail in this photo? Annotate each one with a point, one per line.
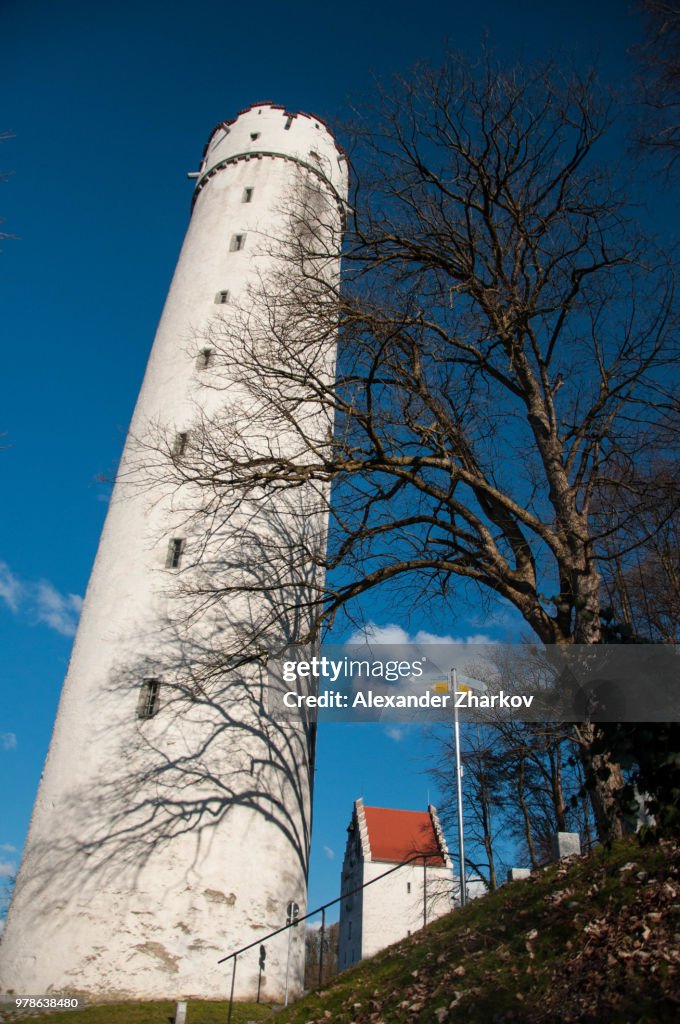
(324, 906)
(331, 903)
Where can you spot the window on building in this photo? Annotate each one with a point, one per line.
(237, 242)
(254, 135)
(180, 445)
(205, 358)
(149, 698)
(175, 551)
(315, 156)
(408, 887)
(247, 196)
(289, 121)
(222, 298)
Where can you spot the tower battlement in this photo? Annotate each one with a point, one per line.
(266, 131)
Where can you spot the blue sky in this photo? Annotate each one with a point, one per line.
(109, 106)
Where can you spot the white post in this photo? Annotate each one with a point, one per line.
(290, 935)
(459, 790)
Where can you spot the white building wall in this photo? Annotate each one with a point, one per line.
(396, 907)
(157, 846)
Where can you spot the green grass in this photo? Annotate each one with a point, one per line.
(198, 1012)
(578, 942)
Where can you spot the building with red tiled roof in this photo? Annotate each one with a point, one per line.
(405, 899)
(395, 836)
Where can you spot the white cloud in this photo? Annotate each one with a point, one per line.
(7, 868)
(58, 611)
(393, 634)
(395, 733)
(40, 601)
(10, 587)
(8, 741)
(330, 852)
(372, 633)
(8, 848)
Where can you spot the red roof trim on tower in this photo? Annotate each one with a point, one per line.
(396, 836)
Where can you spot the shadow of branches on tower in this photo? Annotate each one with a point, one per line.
(194, 759)
(207, 745)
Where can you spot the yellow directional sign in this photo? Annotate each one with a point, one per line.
(442, 687)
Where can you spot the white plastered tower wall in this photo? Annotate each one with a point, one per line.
(158, 845)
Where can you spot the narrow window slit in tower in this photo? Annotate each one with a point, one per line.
(149, 698)
(247, 195)
(408, 887)
(222, 298)
(180, 445)
(175, 551)
(237, 242)
(254, 135)
(289, 121)
(205, 358)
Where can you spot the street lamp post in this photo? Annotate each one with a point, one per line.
(459, 788)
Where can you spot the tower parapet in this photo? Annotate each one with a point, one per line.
(265, 131)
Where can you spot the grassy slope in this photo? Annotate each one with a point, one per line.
(589, 940)
(580, 941)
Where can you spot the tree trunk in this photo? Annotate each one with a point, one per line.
(603, 779)
(602, 775)
(556, 789)
(488, 845)
(526, 816)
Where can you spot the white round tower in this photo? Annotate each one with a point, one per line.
(172, 823)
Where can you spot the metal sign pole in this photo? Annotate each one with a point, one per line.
(321, 945)
(459, 791)
(291, 919)
(231, 996)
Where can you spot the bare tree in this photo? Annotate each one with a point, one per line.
(313, 955)
(6, 896)
(641, 580)
(521, 780)
(504, 329)
(4, 175)
(659, 82)
(484, 802)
